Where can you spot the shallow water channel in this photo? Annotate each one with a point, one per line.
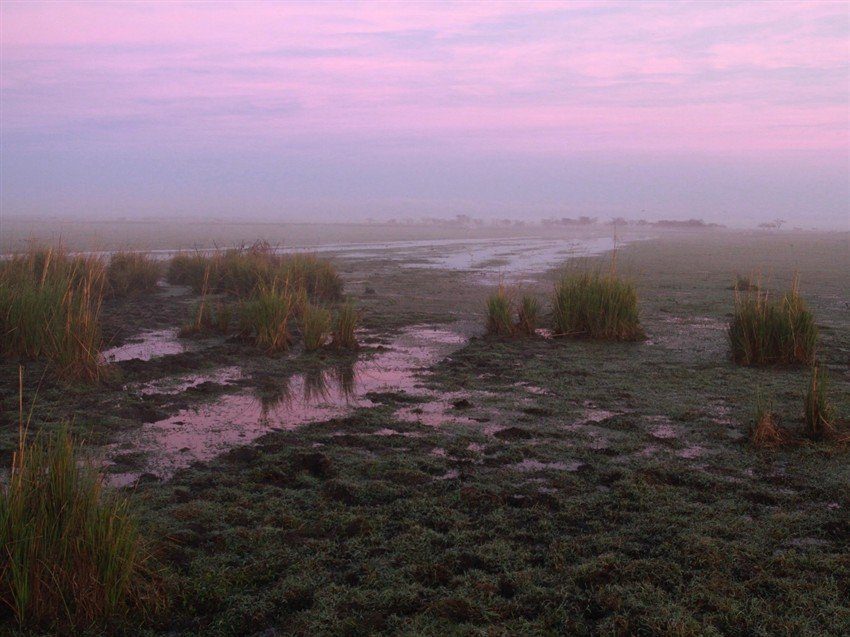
(207, 430)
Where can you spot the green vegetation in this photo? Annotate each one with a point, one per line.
(529, 315)
(572, 488)
(818, 411)
(744, 284)
(499, 314)
(131, 273)
(265, 317)
(315, 326)
(596, 306)
(50, 307)
(345, 327)
(240, 271)
(73, 556)
(764, 331)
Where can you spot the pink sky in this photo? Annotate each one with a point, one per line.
(130, 82)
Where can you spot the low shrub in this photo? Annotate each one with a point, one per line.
(764, 331)
(596, 306)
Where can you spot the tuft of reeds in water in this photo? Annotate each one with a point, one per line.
(73, 557)
(745, 284)
(819, 413)
(500, 313)
(597, 306)
(240, 271)
(345, 326)
(130, 273)
(528, 315)
(766, 433)
(315, 326)
(50, 309)
(764, 331)
(265, 316)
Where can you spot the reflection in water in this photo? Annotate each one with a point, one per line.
(145, 346)
(207, 430)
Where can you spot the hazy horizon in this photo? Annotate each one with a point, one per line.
(736, 113)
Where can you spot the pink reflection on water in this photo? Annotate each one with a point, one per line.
(208, 430)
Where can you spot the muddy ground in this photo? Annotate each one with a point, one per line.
(531, 486)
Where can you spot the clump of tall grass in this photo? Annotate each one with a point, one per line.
(819, 413)
(50, 307)
(597, 306)
(265, 317)
(315, 326)
(131, 273)
(345, 326)
(73, 556)
(764, 331)
(240, 271)
(744, 284)
(188, 268)
(500, 313)
(528, 315)
(766, 432)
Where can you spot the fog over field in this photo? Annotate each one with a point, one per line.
(346, 111)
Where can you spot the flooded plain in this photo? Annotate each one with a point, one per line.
(208, 430)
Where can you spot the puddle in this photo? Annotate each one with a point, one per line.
(178, 384)
(437, 411)
(514, 259)
(145, 346)
(205, 431)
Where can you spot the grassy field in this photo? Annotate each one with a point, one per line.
(578, 487)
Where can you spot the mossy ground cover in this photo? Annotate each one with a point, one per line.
(600, 488)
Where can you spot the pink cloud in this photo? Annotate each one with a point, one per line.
(556, 77)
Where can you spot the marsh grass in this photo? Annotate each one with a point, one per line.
(130, 273)
(528, 315)
(345, 327)
(766, 432)
(50, 307)
(596, 306)
(745, 283)
(240, 271)
(315, 326)
(500, 314)
(265, 317)
(73, 556)
(764, 331)
(819, 414)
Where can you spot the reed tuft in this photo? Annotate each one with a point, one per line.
(764, 331)
(596, 306)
